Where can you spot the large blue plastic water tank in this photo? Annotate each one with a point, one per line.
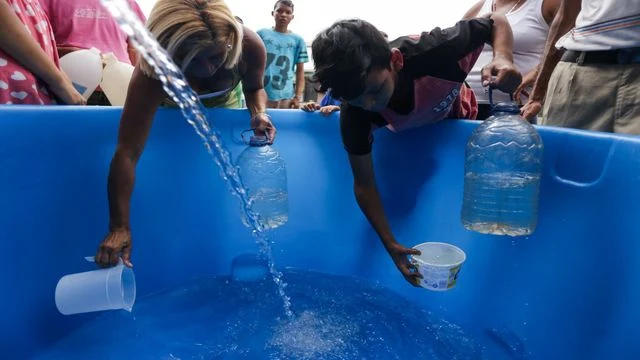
(571, 289)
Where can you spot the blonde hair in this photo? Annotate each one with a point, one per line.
(186, 27)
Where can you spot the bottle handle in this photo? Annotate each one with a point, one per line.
(254, 140)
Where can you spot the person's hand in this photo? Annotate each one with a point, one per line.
(531, 109)
(263, 126)
(507, 77)
(64, 90)
(310, 106)
(399, 255)
(115, 245)
(527, 83)
(295, 103)
(329, 109)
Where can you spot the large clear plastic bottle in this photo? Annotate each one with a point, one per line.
(503, 164)
(115, 79)
(264, 176)
(84, 69)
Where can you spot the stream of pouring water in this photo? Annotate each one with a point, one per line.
(176, 86)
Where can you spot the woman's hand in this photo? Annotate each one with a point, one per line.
(525, 87)
(115, 245)
(64, 90)
(310, 106)
(263, 126)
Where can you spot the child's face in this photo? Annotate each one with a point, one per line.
(380, 85)
(282, 14)
(378, 90)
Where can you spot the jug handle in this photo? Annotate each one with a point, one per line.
(248, 142)
(92, 259)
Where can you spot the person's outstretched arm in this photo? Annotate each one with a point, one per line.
(254, 55)
(143, 99)
(368, 198)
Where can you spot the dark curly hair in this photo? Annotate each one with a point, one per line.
(345, 53)
(288, 3)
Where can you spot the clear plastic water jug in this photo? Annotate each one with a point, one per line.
(503, 162)
(115, 79)
(84, 69)
(264, 176)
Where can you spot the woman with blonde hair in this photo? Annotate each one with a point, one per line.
(216, 54)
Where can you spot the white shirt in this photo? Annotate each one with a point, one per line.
(529, 37)
(604, 25)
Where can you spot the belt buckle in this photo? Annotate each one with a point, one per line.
(580, 58)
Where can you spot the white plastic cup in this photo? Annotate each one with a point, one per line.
(439, 264)
(112, 288)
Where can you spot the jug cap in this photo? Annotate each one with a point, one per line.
(109, 57)
(506, 107)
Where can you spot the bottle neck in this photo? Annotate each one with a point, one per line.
(505, 113)
(258, 141)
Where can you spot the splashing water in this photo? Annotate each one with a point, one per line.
(175, 85)
(337, 318)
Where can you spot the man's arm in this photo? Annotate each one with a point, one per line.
(254, 56)
(501, 37)
(463, 43)
(473, 11)
(564, 21)
(549, 11)
(507, 76)
(368, 198)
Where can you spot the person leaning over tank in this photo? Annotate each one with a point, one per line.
(216, 53)
(377, 82)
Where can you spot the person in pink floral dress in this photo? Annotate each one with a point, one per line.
(29, 69)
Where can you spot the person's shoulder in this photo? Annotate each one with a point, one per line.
(409, 43)
(262, 32)
(251, 42)
(435, 37)
(250, 34)
(297, 36)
